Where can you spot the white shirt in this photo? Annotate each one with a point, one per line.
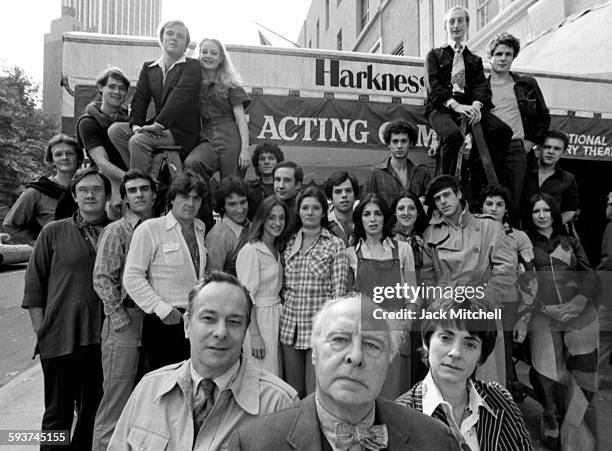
(432, 398)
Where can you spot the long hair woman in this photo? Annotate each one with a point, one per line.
(564, 329)
(224, 145)
(378, 260)
(259, 268)
(316, 270)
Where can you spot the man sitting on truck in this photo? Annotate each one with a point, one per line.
(173, 83)
(93, 126)
(457, 88)
(520, 104)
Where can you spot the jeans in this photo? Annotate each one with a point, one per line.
(140, 145)
(513, 175)
(120, 353)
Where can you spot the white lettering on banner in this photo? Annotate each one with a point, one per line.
(307, 122)
(363, 135)
(336, 130)
(590, 140)
(592, 151)
(282, 128)
(269, 127)
(426, 137)
(340, 129)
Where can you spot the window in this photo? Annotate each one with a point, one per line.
(310, 44)
(326, 14)
(339, 40)
(399, 50)
(486, 10)
(317, 31)
(338, 4)
(452, 3)
(363, 12)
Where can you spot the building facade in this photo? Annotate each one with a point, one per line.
(119, 17)
(412, 27)
(127, 17)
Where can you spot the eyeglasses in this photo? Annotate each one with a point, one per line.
(85, 190)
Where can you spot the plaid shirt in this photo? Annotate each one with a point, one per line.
(108, 270)
(386, 183)
(311, 278)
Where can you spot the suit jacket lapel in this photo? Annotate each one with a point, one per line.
(305, 433)
(489, 428)
(171, 80)
(398, 432)
(155, 78)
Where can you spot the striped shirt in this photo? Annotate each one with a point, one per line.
(113, 246)
(500, 426)
(311, 277)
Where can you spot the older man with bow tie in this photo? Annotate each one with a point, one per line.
(351, 352)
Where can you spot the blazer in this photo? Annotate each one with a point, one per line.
(504, 430)
(177, 101)
(438, 68)
(297, 428)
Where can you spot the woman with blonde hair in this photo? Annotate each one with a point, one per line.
(224, 140)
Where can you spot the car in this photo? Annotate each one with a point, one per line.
(13, 253)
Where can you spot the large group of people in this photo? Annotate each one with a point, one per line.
(266, 329)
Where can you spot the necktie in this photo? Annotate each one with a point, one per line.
(203, 402)
(372, 437)
(458, 71)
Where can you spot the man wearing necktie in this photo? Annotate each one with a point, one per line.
(457, 88)
(351, 351)
(198, 403)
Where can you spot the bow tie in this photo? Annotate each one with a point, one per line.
(372, 437)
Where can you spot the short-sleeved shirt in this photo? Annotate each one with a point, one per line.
(59, 279)
(218, 101)
(94, 135)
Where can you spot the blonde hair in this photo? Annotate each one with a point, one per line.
(227, 74)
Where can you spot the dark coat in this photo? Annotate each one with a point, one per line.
(503, 429)
(176, 101)
(297, 428)
(438, 68)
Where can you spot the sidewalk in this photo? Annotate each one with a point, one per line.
(22, 404)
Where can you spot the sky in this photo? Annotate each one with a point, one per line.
(231, 21)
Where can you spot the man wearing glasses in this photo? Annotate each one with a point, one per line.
(66, 312)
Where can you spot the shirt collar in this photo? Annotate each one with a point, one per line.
(172, 222)
(242, 379)
(387, 243)
(160, 63)
(233, 226)
(451, 43)
(131, 218)
(432, 397)
(464, 217)
(409, 165)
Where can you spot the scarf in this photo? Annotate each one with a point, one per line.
(90, 231)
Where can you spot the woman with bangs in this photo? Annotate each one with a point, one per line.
(316, 270)
(378, 260)
(410, 221)
(481, 415)
(224, 145)
(259, 268)
(564, 329)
